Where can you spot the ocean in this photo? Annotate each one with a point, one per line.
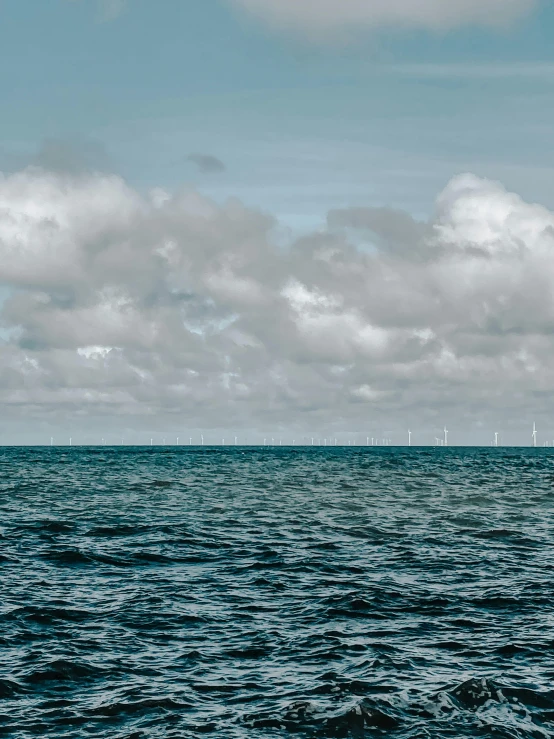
(276, 592)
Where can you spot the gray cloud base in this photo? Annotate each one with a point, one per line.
(168, 312)
(207, 163)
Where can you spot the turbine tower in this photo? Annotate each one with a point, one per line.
(445, 436)
(496, 438)
(409, 438)
(534, 434)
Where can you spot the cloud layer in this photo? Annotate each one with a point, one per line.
(170, 311)
(317, 16)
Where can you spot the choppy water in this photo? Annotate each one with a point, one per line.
(252, 593)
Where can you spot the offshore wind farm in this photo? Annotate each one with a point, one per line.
(309, 441)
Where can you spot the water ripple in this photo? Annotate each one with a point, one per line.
(269, 592)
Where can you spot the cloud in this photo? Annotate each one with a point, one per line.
(207, 163)
(167, 310)
(331, 16)
(70, 155)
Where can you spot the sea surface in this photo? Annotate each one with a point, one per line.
(246, 592)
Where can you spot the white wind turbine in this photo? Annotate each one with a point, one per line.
(445, 436)
(409, 438)
(496, 438)
(534, 434)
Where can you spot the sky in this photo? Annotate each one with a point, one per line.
(276, 219)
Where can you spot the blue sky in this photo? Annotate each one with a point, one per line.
(301, 127)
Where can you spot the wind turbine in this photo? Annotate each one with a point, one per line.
(496, 438)
(202, 439)
(445, 436)
(534, 434)
(409, 438)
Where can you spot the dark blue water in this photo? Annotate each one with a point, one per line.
(276, 592)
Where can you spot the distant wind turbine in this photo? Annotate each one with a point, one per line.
(409, 438)
(534, 434)
(445, 436)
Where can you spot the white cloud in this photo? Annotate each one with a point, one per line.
(325, 16)
(160, 308)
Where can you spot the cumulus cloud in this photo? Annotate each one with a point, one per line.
(168, 309)
(70, 155)
(324, 16)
